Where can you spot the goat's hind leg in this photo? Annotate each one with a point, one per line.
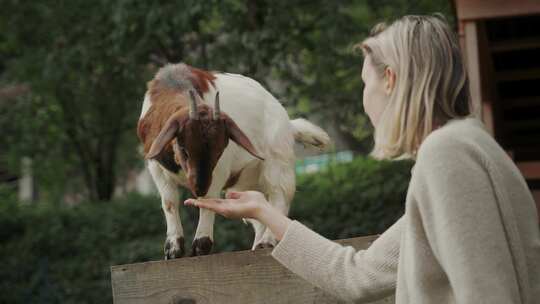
(280, 192)
(259, 229)
(168, 190)
(268, 240)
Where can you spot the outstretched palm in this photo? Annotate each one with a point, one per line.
(236, 204)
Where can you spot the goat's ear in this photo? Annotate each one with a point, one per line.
(165, 136)
(240, 138)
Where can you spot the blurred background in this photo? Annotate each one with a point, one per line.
(74, 195)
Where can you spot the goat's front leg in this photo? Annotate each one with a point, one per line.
(204, 236)
(168, 190)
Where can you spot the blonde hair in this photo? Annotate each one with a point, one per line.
(431, 85)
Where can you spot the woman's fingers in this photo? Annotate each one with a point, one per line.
(210, 204)
(229, 208)
(233, 195)
(189, 202)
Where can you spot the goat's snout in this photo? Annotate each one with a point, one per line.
(200, 193)
(199, 188)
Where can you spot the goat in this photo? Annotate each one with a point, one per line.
(244, 142)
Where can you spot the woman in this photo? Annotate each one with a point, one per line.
(469, 233)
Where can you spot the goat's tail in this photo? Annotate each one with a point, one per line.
(307, 133)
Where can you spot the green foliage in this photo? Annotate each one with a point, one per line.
(347, 200)
(61, 254)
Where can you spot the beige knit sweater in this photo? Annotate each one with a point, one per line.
(469, 234)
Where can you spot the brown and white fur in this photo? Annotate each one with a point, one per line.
(247, 145)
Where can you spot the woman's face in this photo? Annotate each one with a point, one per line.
(376, 91)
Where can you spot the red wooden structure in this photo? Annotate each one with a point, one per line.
(501, 43)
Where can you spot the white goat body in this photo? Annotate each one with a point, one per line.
(265, 122)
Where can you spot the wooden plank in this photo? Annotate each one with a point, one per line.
(483, 9)
(516, 140)
(523, 154)
(492, 115)
(516, 44)
(522, 125)
(479, 70)
(473, 69)
(536, 196)
(533, 184)
(520, 74)
(523, 102)
(530, 169)
(232, 277)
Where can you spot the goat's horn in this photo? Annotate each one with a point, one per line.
(193, 106)
(216, 107)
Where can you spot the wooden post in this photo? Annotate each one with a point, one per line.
(27, 190)
(231, 277)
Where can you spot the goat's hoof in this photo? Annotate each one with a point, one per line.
(174, 248)
(264, 246)
(201, 246)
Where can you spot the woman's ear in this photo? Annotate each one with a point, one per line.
(390, 80)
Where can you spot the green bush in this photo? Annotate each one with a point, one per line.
(63, 254)
(359, 198)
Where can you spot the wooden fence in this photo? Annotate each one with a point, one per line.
(232, 277)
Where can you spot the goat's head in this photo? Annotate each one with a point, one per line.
(201, 134)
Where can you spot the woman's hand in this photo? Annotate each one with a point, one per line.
(247, 204)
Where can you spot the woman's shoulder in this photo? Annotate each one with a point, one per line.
(458, 138)
(464, 149)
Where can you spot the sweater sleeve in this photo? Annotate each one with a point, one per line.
(463, 223)
(342, 271)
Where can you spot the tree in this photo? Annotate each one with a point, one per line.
(87, 65)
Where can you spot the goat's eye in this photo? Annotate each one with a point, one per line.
(185, 154)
